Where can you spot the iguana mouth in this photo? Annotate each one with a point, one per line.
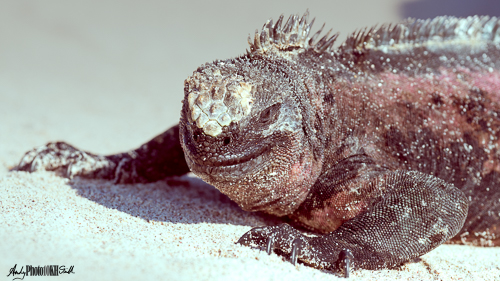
(239, 160)
(234, 167)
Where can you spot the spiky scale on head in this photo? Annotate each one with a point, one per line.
(289, 40)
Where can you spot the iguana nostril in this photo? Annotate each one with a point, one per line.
(227, 140)
(196, 137)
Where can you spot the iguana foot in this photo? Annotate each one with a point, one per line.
(157, 159)
(287, 241)
(65, 160)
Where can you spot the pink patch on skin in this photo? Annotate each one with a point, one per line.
(301, 172)
(489, 82)
(296, 170)
(490, 166)
(451, 85)
(292, 183)
(338, 209)
(447, 86)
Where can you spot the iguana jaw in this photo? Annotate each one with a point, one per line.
(274, 178)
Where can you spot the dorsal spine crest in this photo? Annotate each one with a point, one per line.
(292, 37)
(440, 32)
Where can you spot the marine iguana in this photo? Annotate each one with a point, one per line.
(385, 147)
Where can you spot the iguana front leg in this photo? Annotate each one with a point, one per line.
(407, 215)
(161, 157)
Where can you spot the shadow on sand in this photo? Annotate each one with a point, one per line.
(177, 200)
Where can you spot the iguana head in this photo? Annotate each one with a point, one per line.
(242, 131)
(248, 125)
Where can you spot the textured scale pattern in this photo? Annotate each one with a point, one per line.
(216, 103)
(383, 148)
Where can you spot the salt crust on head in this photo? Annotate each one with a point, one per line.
(216, 101)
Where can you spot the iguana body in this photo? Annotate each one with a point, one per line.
(385, 147)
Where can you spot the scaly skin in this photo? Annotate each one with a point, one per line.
(386, 147)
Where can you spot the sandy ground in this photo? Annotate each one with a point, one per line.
(106, 77)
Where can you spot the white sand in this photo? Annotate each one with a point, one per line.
(184, 232)
(106, 78)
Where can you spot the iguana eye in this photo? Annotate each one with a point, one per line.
(268, 115)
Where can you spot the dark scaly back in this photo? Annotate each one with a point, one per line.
(429, 92)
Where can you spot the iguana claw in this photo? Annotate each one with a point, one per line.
(344, 261)
(269, 245)
(296, 248)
